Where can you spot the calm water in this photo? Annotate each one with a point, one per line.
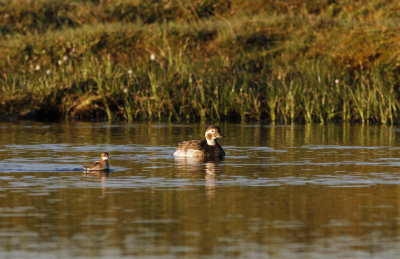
(282, 192)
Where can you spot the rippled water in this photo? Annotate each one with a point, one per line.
(281, 192)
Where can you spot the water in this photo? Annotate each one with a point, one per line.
(281, 192)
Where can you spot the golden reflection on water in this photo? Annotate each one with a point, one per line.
(282, 191)
(200, 168)
(102, 176)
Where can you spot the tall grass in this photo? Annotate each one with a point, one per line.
(279, 61)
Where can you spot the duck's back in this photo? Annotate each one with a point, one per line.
(98, 165)
(192, 144)
(198, 148)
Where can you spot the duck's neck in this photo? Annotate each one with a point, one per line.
(212, 142)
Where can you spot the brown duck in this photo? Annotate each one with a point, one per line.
(208, 148)
(101, 165)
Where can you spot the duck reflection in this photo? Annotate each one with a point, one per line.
(102, 175)
(199, 168)
(99, 174)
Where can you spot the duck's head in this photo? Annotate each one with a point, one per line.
(104, 156)
(212, 134)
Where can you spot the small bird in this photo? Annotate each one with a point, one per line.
(208, 148)
(101, 165)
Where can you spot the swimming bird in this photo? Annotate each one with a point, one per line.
(208, 148)
(101, 165)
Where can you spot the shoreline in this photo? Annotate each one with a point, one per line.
(274, 61)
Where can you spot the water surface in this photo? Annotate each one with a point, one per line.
(281, 192)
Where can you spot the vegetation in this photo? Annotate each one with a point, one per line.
(273, 60)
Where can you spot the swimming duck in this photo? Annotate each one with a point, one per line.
(101, 165)
(208, 148)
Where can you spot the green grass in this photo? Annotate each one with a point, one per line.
(278, 61)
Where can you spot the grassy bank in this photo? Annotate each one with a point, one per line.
(279, 61)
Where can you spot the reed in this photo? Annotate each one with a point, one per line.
(278, 61)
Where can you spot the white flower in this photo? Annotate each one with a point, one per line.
(125, 90)
(337, 81)
(130, 72)
(65, 58)
(48, 72)
(37, 68)
(59, 62)
(152, 57)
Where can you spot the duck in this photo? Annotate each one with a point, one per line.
(207, 148)
(101, 165)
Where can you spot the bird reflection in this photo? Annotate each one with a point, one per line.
(199, 168)
(102, 175)
(99, 174)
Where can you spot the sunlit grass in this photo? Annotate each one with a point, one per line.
(258, 60)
